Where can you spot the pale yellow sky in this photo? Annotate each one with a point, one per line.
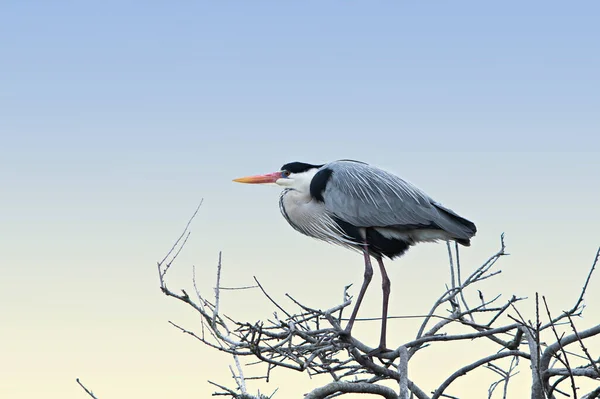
(82, 300)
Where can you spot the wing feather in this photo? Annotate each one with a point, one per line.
(366, 196)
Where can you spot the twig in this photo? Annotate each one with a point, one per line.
(241, 381)
(271, 299)
(462, 295)
(566, 358)
(587, 281)
(217, 290)
(464, 370)
(452, 280)
(592, 361)
(85, 389)
(185, 230)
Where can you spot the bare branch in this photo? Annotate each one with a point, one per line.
(186, 234)
(562, 349)
(464, 370)
(452, 279)
(308, 339)
(592, 395)
(583, 347)
(551, 350)
(403, 371)
(537, 390)
(351, 387)
(85, 389)
(271, 299)
(589, 372)
(217, 291)
(585, 285)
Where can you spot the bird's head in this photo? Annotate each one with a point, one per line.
(295, 175)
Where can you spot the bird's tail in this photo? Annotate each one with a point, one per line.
(462, 229)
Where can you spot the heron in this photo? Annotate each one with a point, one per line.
(363, 208)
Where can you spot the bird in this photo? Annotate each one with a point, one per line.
(366, 209)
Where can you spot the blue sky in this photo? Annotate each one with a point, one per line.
(117, 117)
(457, 74)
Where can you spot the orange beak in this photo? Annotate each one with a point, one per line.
(260, 179)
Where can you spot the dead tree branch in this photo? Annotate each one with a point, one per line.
(309, 340)
(351, 387)
(90, 393)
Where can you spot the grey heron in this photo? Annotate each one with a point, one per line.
(363, 208)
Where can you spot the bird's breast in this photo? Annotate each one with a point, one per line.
(308, 216)
(299, 209)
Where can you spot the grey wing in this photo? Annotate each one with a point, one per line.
(366, 196)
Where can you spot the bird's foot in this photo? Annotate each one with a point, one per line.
(345, 333)
(379, 351)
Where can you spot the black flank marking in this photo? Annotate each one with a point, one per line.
(299, 167)
(319, 182)
(378, 244)
(351, 231)
(390, 247)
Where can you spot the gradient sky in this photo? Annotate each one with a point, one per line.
(117, 117)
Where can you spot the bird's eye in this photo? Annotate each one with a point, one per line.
(285, 173)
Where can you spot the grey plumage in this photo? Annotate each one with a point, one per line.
(343, 202)
(366, 196)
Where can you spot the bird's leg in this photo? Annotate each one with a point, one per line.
(385, 286)
(367, 279)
